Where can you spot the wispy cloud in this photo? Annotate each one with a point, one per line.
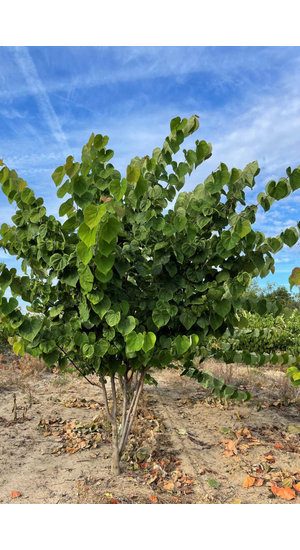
(37, 89)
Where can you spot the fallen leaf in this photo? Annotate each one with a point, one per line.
(186, 491)
(297, 487)
(154, 499)
(42, 452)
(230, 447)
(55, 450)
(15, 494)
(169, 486)
(246, 432)
(271, 484)
(284, 492)
(288, 482)
(248, 481)
(213, 483)
(269, 458)
(259, 482)
(152, 478)
(113, 501)
(176, 499)
(278, 446)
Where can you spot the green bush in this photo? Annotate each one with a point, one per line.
(267, 334)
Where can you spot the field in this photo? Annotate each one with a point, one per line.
(186, 447)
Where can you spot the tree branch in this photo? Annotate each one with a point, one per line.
(77, 368)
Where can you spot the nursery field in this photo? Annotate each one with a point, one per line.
(185, 446)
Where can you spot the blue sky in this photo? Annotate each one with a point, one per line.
(247, 98)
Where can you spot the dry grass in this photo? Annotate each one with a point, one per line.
(274, 381)
(15, 371)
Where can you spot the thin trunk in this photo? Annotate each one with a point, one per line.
(112, 417)
(115, 463)
(131, 412)
(125, 396)
(119, 442)
(115, 459)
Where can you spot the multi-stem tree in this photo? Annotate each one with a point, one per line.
(124, 285)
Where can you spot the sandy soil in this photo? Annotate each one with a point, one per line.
(185, 447)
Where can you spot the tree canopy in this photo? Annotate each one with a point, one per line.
(137, 275)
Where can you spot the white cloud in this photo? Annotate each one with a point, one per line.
(36, 88)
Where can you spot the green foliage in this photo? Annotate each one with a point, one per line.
(273, 294)
(267, 334)
(124, 282)
(294, 278)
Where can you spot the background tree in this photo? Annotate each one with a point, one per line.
(124, 286)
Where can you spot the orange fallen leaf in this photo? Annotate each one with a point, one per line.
(230, 445)
(113, 501)
(154, 499)
(248, 481)
(246, 432)
(15, 494)
(254, 442)
(176, 500)
(297, 487)
(169, 486)
(284, 492)
(269, 458)
(259, 482)
(278, 446)
(271, 484)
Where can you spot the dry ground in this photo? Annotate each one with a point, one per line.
(185, 447)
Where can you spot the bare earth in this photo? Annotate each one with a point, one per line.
(185, 447)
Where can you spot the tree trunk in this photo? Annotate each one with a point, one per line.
(115, 459)
(130, 403)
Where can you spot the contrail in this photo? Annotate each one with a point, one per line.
(36, 87)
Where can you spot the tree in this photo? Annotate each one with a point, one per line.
(123, 286)
(288, 300)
